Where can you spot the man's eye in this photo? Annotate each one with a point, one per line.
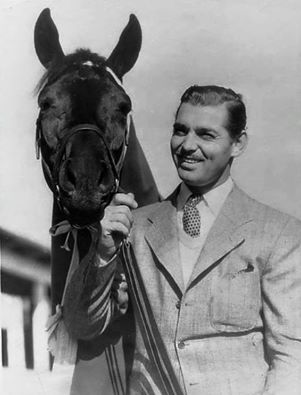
(178, 132)
(207, 136)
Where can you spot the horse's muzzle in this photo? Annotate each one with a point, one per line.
(84, 195)
(85, 175)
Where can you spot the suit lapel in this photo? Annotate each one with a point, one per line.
(162, 236)
(225, 234)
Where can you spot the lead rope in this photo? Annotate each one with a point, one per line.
(154, 344)
(114, 371)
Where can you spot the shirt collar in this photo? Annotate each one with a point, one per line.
(214, 198)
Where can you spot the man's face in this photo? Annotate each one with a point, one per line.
(201, 146)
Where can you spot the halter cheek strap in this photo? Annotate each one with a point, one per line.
(116, 79)
(38, 138)
(129, 116)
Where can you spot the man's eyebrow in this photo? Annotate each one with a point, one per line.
(180, 126)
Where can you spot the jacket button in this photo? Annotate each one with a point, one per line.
(178, 304)
(181, 345)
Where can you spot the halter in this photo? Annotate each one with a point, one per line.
(53, 176)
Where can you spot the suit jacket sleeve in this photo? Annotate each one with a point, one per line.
(281, 286)
(96, 295)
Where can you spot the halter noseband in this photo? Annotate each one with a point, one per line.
(53, 175)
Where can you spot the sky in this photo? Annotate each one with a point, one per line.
(251, 46)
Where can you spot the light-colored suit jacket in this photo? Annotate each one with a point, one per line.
(236, 328)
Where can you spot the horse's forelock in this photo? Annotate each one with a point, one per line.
(71, 61)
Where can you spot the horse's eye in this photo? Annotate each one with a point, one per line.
(45, 105)
(125, 108)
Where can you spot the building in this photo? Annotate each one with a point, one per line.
(25, 302)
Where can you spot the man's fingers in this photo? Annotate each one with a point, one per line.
(116, 223)
(123, 219)
(122, 210)
(120, 229)
(117, 213)
(124, 199)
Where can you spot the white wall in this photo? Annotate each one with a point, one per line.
(252, 46)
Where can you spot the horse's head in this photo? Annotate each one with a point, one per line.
(83, 122)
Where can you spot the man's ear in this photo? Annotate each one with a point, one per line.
(240, 144)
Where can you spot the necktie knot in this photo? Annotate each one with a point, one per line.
(191, 216)
(193, 200)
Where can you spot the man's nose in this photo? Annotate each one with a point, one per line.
(189, 142)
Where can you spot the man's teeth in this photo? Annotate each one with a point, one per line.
(189, 160)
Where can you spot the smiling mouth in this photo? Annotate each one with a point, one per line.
(188, 160)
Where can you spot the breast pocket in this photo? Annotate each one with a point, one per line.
(235, 301)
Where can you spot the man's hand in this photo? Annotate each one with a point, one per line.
(116, 224)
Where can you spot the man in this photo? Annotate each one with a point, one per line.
(222, 271)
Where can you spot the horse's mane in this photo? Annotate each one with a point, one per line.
(71, 61)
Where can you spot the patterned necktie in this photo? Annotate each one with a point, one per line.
(191, 216)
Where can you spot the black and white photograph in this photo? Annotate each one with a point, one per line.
(150, 189)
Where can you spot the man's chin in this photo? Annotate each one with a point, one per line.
(189, 179)
(193, 181)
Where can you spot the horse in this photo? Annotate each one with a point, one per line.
(86, 137)
(89, 150)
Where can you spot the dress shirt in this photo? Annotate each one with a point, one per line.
(208, 207)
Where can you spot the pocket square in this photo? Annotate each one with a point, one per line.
(248, 269)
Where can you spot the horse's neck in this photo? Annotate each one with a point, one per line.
(136, 175)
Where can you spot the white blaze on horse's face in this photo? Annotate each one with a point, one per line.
(88, 63)
(83, 119)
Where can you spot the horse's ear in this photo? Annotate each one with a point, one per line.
(46, 40)
(126, 52)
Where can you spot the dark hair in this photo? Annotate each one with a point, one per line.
(212, 95)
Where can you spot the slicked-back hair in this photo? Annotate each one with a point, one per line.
(213, 95)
